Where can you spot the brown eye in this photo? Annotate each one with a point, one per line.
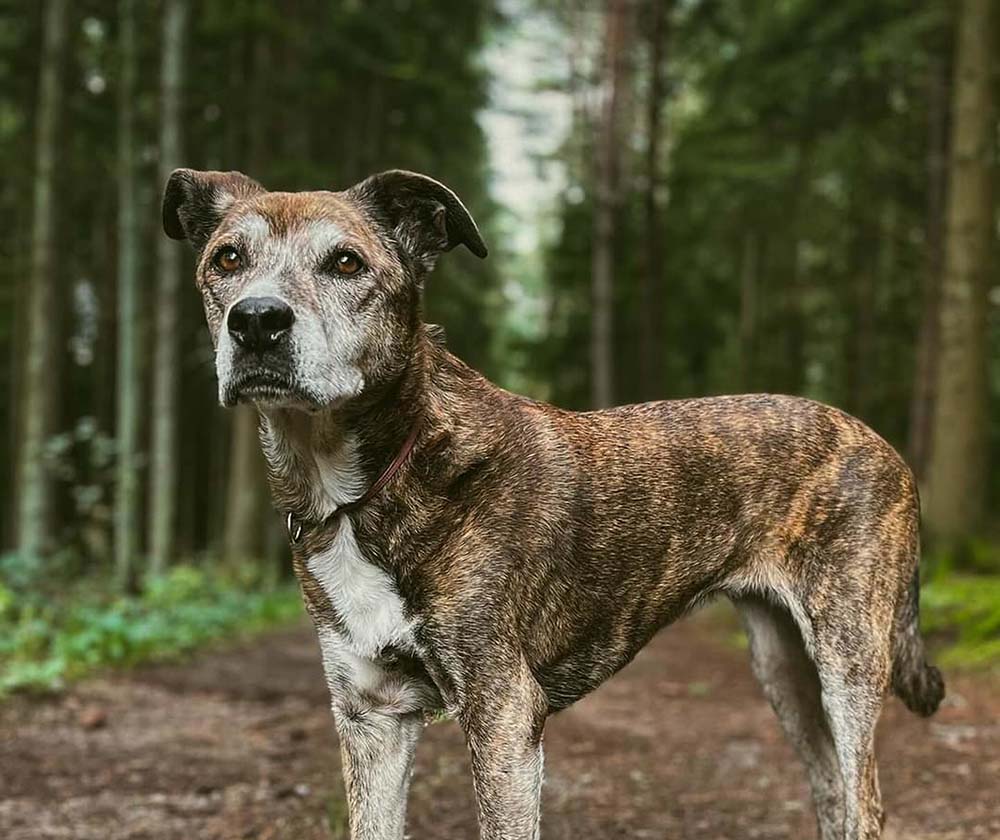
(346, 263)
(228, 259)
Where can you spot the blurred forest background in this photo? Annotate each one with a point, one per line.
(682, 197)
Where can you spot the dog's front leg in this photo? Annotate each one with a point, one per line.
(376, 751)
(503, 725)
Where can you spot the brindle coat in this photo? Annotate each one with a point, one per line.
(524, 554)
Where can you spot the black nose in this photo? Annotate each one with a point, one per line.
(258, 323)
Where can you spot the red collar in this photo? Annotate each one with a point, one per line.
(295, 526)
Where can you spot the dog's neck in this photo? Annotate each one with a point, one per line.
(320, 461)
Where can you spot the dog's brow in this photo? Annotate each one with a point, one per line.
(322, 233)
(250, 226)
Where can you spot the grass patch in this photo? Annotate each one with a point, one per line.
(964, 610)
(337, 817)
(46, 641)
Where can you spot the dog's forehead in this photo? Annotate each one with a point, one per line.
(284, 215)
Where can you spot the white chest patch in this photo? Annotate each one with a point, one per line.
(363, 595)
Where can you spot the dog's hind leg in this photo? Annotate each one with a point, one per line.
(852, 623)
(791, 684)
(852, 692)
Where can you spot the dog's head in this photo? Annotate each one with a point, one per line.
(313, 297)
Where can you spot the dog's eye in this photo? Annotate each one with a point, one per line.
(227, 259)
(346, 263)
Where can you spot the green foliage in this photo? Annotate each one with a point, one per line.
(797, 134)
(337, 817)
(965, 610)
(44, 642)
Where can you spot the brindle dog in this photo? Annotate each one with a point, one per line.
(517, 555)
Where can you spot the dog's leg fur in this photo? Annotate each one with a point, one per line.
(377, 750)
(791, 684)
(503, 726)
(853, 622)
(852, 708)
(379, 720)
(853, 711)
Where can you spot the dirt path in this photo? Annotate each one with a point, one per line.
(239, 744)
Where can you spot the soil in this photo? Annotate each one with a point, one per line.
(239, 743)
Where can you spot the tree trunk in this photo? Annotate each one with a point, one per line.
(608, 170)
(651, 297)
(956, 478)
(244, 502)
(34, 489)
(127, 484)
(922, 400)
(860, 338)
(246, 492)
(749, 270)
(163, 473)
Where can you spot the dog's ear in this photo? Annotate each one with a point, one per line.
(424, 215)
(195, 202)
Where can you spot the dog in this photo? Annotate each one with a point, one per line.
(465, 550)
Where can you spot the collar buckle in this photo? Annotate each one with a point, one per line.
(294, 526)
(294, 529)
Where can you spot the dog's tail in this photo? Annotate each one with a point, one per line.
(914, 681)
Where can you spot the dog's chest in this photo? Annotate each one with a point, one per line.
(369, 655)
(370, 611)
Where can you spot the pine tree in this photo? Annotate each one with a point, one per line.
(34, 487)
(956, 480)
(164, 467)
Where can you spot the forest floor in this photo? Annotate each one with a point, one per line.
(239, 743)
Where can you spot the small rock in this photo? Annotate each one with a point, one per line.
(283, 791)
(93, 717)
(300, 790)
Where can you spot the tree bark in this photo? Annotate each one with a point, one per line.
(127, 483)
(749, 270)
(607, 183)
(651, 281)
(922, 400)
(246, 495)
(245, 491)
(163, 473)
(34, 487)
(956, 478)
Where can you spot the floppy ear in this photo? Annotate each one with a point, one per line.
(195, 202)
(425, 216)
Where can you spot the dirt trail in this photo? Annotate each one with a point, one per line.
(239, 744)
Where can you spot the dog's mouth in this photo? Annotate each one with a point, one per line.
(266, 387)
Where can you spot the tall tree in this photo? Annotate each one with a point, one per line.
(242, 537)
(608, 170)
(34, 489)
(956, 480)
(163, 473)
(246, 490)
(650, 293)
(922, 399)
(749, 268)
(128, 386)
